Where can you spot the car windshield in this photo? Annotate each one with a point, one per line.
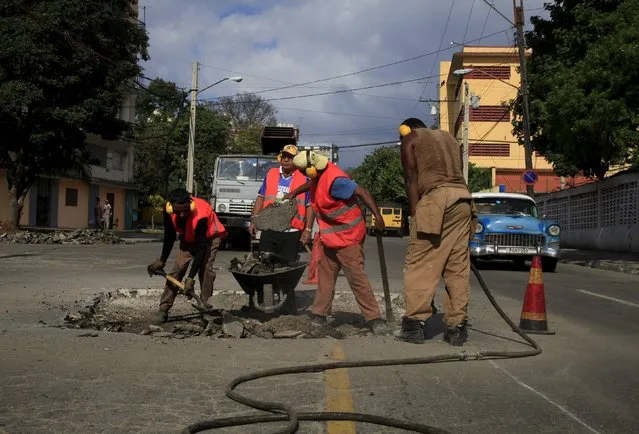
(245, 169)
(505, 205)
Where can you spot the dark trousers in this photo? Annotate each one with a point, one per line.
(285, 244)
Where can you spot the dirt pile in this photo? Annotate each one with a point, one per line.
(80, 236)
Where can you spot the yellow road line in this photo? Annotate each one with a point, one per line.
(338, 394)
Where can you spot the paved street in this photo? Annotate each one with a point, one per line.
(55, 380)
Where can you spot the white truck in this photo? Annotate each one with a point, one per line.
(237, 179)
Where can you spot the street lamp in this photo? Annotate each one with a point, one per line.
(525, 119)
(461, 73)
(191, 147)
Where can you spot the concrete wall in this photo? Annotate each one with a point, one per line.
(598, 216)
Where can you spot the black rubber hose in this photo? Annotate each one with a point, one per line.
(286, 412)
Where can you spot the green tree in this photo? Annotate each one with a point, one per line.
(584, 85)
(163, 132)
(63, 69)
(157, 202)
(381, 173)
(247, 114)
(479, 178)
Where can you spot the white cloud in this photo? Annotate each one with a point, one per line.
(276, 43)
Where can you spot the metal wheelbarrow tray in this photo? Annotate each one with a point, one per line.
(269, 292)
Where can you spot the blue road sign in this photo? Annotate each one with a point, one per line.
(530, 177)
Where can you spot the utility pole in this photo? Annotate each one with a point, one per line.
(519, 23)
(466, 121)
(191, 147)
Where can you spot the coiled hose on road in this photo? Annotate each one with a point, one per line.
(285, 412)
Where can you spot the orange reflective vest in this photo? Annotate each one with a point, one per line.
(270, 194)
(202, 210)
(341, 222)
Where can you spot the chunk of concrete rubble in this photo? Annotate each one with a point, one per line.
(73, 317)
(233, 327)
(287, 334)
(162, 334)
(151, 328)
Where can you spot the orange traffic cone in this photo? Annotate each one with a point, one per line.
(316, 254)
(533, 314)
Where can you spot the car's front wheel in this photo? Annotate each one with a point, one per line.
(548, 265)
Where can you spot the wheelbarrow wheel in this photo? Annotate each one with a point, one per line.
(267, 294)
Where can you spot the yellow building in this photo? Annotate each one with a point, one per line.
(495, 79)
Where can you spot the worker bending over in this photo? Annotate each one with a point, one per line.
(342, 232)
(278, 182)
(440, 207)
(201, 235)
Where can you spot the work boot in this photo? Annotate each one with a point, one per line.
(413, 331)
(160, 317)
(457, 335)
(317, 320)
(378, 326)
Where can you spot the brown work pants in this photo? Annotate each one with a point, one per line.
(351, 259)
(431, 256)
(206, 275)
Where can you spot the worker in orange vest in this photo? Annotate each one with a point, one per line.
(277, 183)
(201, 235)
(342, 232)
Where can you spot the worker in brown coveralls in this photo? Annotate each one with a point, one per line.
(342, 233)
(441, 210)
(201, 235)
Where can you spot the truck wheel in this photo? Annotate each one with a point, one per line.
(548, 265)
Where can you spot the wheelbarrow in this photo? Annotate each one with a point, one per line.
(271, 291)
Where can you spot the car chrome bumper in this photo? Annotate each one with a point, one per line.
(513, 251)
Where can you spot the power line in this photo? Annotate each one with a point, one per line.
(492, 6)
(412, 80)
(373, 68)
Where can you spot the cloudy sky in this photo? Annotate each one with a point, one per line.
(338, 45)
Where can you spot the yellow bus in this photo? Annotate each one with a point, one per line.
(392, 216)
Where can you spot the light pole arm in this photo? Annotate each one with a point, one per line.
(211, 85)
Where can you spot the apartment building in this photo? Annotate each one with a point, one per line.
(68, 202)
(494, 79)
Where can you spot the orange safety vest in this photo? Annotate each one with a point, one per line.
(341, 222)
(270, 194)
(202, 210)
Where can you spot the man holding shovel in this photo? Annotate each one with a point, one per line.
(201, 235)
(342, 232)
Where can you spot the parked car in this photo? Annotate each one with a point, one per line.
(509, 227)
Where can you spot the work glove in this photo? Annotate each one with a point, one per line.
(155, 267)
(189, 287)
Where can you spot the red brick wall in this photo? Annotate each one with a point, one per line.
(547, 182)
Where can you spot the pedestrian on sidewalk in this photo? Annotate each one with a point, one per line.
(342, 233)
(441, 218)
(98, 212)
(106, 215)
(201, 235)
(278, 182)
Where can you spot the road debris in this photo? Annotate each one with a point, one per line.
(79, 236)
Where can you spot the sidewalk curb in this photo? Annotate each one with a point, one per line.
(140, 240)
(627, 268)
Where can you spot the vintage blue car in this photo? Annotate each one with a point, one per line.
(509, 228)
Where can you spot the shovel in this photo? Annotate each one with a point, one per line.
(382, 266)
(201, 305)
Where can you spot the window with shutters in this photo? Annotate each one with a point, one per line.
(489, 149)
(490, 113)
(115, 160)
(489, 73)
